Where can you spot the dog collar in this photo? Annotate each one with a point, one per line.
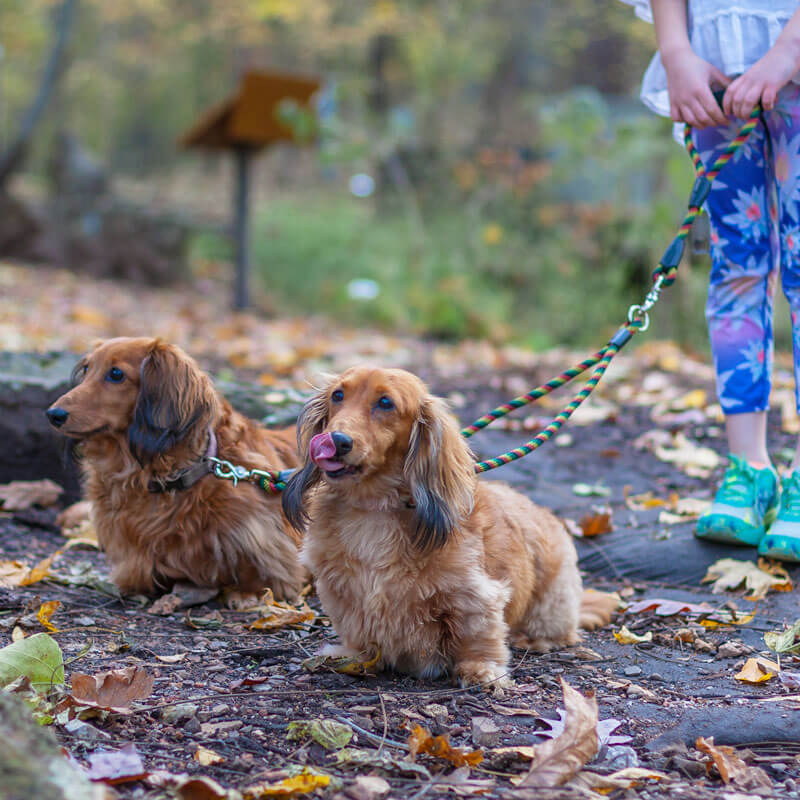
(188, 477)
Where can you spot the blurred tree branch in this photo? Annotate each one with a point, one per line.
(14, 155)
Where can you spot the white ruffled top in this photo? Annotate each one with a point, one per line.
(731, 36)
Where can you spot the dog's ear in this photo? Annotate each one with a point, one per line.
(440, 471)
(312, 420)
(175, 398)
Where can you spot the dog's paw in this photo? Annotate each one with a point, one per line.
(485, 674)
(241, 601)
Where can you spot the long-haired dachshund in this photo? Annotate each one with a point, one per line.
(148, 420)
(410, 552)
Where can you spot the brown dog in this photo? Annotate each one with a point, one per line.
(147, 419)
(410, 552)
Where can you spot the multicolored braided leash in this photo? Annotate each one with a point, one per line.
(638, 320)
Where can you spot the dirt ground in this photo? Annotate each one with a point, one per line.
(235, 690)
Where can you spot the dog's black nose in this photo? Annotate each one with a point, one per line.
(344, 444)
(57, 416)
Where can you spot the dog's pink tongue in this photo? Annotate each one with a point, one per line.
(322, 448)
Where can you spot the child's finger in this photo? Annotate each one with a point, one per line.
(719, 77)
(728, 97)
(768, 98)
(712, 108)
(702, 116)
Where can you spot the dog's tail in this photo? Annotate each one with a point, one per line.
(597, 608)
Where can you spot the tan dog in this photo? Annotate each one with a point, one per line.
(147, 419)
(410, 552)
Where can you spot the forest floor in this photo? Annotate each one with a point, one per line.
(627, 477)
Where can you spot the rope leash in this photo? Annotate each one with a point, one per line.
(638, 320)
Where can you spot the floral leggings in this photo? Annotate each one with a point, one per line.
(754, 210)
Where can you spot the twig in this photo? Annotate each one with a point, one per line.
(385, 723)
(381, 739)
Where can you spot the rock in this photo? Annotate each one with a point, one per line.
(485, 732)
(32, 763)
(733, 649)
(436, 711)
(172, 715)
(83, 730)
(193, 725)
(368, 787)
(213, 728)
(632, 671)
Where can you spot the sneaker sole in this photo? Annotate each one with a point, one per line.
(729, 530)
(780, 548)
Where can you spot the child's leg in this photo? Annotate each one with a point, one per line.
(739, 315)
(783, 538)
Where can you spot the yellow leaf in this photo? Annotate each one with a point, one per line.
(41, 570)
(694, 399)
(757, 670)
(207, 757)
(299, 784)
(46, 610)
(90, 316)
(347, 665)
(741, 619)
(624, 636)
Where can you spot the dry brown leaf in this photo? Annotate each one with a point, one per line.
(559, 759)
(757, 670)
(19, 495)
(731, 767)
(730, 573)
(421, 741)
(113, 690)
(596, 523)
(278, 615)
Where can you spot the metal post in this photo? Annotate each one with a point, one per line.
(241, 225)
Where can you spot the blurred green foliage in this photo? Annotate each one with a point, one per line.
(521, 190)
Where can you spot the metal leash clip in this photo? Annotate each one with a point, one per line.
(638, 313)
(227, 471)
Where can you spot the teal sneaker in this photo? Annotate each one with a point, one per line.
(744, 507)
(782, 540)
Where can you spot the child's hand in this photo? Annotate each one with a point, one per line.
(761, 82)
(689, 80)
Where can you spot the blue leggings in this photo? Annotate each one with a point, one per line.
(754, 210)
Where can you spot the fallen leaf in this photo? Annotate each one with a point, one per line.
(276, 615)
(347, 665)
(731, 767)
(330, 733)
(624, 636)
(42, 569)
(187, 788)
(46, 610)
(560, 758)
(17, 634)
(645, 501)
(116, 766)
(628, 778)
(730, 573)
(19, 495)
(757, 670)
(677, 449)
(785, 641)
(113, 690)
(12, 573)
(171, 659)
(207, 757)
(711, 617)
(298, 784)
(421, 741)
(382, 760)
(74, 516)
(37, 657)
(596, 523)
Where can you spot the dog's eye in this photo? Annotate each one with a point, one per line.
(115, 375)
(337, 396)
(385, 403)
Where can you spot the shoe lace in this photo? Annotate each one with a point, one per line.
(790, 493)
(738, 481)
